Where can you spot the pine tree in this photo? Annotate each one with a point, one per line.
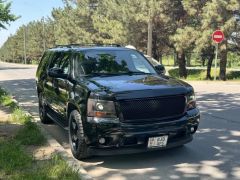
(5, 14)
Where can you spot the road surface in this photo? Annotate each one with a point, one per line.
(213, 154)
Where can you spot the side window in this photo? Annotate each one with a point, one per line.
(55, 60)
(78, 67)
(61, 60)
(65, 63)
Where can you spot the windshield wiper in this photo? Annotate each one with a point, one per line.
(137, 72)
(102, 74)
(116, 74)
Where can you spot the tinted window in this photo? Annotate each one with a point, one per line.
(44, 63)
(61, 60)
(112, 62)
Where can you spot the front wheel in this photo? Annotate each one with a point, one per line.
(76, 136)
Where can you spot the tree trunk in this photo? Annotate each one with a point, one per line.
(203, 62)
(160, 58)
(182, 64)
(150, 36)
(175, 58)
(188, 57)
(209, 66)
(223, 61)
(154, 50)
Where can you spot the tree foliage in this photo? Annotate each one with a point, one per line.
(5, 14)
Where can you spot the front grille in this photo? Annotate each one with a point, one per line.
(150, 109)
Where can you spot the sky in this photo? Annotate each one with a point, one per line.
(29, 10)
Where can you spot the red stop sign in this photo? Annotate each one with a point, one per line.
(218, 36)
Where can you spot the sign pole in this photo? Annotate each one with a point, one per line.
(217, 37)
(215, 75)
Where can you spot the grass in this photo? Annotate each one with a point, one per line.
(19, 116)
(56, 168)
(30, 134)
(13, 157)
(6, 100)
(15, 162)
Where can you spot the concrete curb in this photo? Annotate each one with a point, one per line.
(70, 160)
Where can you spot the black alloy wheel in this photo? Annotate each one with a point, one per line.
(76, 136)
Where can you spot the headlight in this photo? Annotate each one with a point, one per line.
(101, 109)
(191, 101)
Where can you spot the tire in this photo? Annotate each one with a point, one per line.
(42, 111)
(76, 136)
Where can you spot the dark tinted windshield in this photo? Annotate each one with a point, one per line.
(97, 62)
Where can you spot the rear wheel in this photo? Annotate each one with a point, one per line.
(76, 136)
(42, 111)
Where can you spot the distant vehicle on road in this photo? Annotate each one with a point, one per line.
(113, 101)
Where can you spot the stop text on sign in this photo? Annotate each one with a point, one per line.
(218, 36)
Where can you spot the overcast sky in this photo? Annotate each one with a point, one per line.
(28, 10)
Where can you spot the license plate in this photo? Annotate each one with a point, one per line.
(155, 142)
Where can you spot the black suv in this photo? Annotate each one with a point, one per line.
(112, 100)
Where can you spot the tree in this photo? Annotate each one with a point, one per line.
(217, 14)
(5, 14)
(74, 23)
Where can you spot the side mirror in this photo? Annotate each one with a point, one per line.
(160, 69)
(57, 73)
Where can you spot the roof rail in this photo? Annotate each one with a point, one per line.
(87, 45)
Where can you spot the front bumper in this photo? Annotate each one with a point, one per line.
(125, 138)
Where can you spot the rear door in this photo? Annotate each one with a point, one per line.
(49, 91)
(61, 86)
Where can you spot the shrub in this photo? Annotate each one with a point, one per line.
(200, 74)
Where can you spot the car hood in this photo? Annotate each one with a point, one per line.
(138, 86)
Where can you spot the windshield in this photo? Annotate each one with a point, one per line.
(112, 62)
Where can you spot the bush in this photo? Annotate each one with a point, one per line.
(233, 75)
(200, 74)
(193, 74)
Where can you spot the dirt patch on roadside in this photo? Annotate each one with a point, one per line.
(40, 152)
(4, 114)
(9, 129)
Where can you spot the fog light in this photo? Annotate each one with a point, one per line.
(102, 140)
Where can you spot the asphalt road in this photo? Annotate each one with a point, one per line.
(213, 154)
